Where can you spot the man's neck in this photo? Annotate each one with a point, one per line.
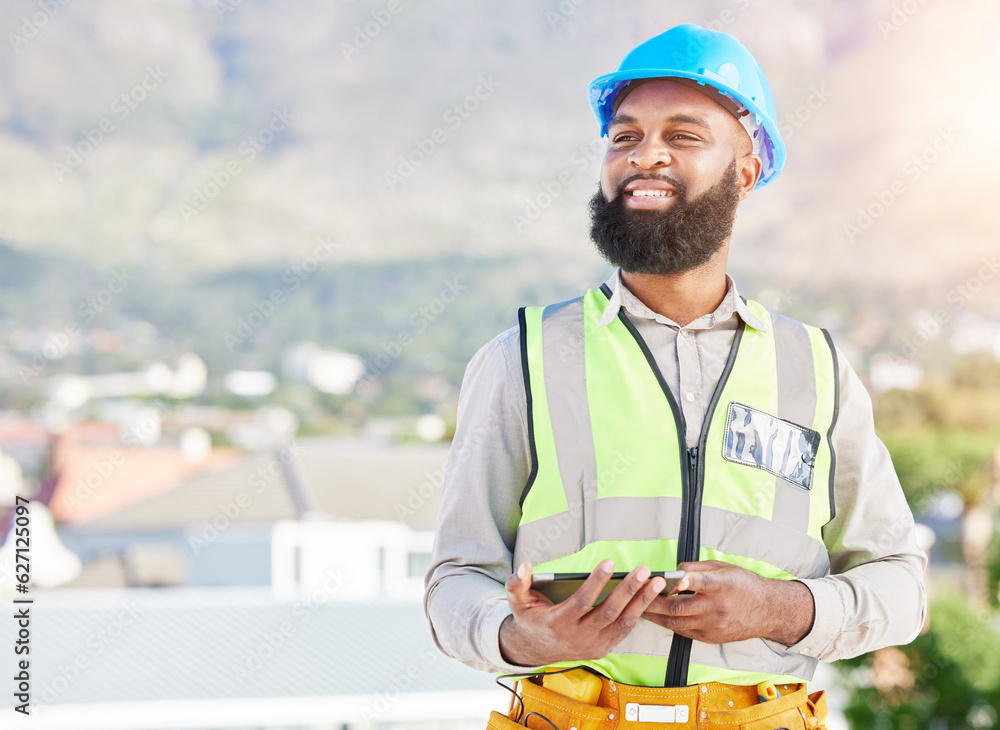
(682, 297)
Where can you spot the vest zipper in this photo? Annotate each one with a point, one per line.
(693, 514)
(687, 550)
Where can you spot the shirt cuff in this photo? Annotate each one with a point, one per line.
(491, 642)
(828, 614)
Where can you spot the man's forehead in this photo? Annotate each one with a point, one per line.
(680, 88)
(671, 96)
(685, 98)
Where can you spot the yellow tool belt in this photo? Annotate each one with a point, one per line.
(626, 707)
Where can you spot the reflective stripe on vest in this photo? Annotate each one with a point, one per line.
(612, 477)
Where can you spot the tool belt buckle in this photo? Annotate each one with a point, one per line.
(656, 713)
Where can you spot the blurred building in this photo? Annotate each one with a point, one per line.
(157, 519)
(329, 371)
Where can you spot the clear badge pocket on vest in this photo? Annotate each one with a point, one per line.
(758, 439)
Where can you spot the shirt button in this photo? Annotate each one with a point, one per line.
(689, 397)
(684, 333)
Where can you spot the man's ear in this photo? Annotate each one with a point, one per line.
(748, 172)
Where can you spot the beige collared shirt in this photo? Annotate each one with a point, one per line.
(874, 596)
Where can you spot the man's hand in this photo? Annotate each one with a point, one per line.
(540, 632)
(732, 604)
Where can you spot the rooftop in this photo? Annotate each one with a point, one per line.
(373, 481)
(94, 650)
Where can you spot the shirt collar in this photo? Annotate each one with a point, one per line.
(622, 297)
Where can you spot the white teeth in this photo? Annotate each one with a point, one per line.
(652, 193)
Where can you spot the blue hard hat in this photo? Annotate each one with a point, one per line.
(709, 58)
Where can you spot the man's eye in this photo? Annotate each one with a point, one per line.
(624, 137)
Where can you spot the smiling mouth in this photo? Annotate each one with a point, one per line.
(651, 193)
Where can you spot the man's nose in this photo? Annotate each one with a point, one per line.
(650, 154)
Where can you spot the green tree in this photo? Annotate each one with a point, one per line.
(929, 461)
(945, 438)
(947, 678)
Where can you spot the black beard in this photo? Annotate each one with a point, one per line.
(680, 238)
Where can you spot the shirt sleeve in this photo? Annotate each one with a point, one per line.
(488, 466)
(874, 596)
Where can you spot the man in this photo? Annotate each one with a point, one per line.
(662, 422)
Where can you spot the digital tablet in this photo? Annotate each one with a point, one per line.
(557, 587)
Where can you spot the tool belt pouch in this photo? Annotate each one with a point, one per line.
(560, 710)
(795, 711)
(500, 722)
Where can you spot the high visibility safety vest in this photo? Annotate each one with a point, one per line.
(612, 477)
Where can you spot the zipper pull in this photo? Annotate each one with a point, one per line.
(693, 457)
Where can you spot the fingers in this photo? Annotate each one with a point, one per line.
(683, 626)
(696, 582)
(642, 598)
(626, 603)
(622, 595)
(580, 603)
(518, 587)
(619, 623)
(697, 574)
(687, 615)
(688, 605)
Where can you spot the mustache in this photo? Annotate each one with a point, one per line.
(681, 238)
(681, 190)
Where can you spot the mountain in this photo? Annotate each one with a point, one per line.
(197, 136)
